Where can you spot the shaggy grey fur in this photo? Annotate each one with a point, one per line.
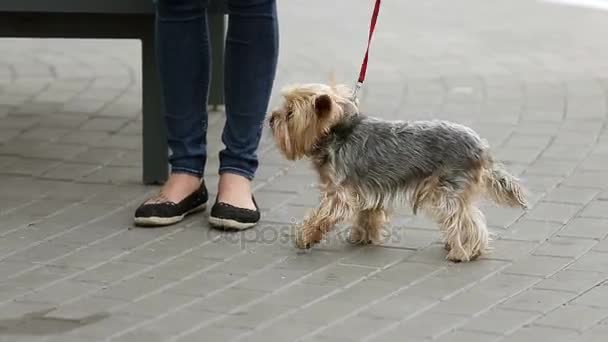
(386, 158)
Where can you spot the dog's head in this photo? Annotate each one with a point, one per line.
(307, 113)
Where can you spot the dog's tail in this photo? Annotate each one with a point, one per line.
(504, 188)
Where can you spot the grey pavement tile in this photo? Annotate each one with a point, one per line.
(518, 155)
(500, 321)
(69, 171)
(38, 277)
(470, 336)
(518, 140)
(62, 120)
(112, 323)
(338, 275)
(596, 296)
(602, 246)
(98, 156)
(594, 228)
(7, 134)
(588, 179)
(592, 261)
(156, 304)
(254, 315)
(554, 212)
(84, 137)
(576, 317)
(503, 249)
(127, 142)
(536, 300)
(297, 294)
(595, 334)
(565, 247)
(411, 238)
(109, 272)
(353, 328)
(207, 282)
(60, 292)
(84, 106)
(597, 209)
(18, 121)
(213, 333)
(536, 333)
(77, 308)
(115, 175)
(376, 257)
(427, 324)
(227, 300)
(103, 124)
(537, 265)
(551, 167)
(565, 194)
(541, 183)
(28, 167)
(44, 133)
(176, 322)
(531, 230)
(572, 280)
(566, 152)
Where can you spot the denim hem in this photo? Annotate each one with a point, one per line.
(196, 173)
(236, 170)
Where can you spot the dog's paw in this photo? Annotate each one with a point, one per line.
(305, 239)
(358, 237)
(460, 255)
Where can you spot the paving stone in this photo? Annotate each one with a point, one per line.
(573, 317)
(592, 261)
(554, 212)
(535, 333)
(355, 327)
(595, 297)
(565, 247)
(595, 228)
(535, 300)
(471, 336)
(428, 324)
(531, 230)
(597, 209)
(537, 265)
(156, 304)
(565, 194)
(500, 321)
(338, 275)
(572, 280)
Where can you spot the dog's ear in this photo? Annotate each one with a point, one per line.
(323, 104)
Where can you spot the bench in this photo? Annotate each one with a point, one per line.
(121, 19)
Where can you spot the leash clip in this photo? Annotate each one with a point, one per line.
(356, 90)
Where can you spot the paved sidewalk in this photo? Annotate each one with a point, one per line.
(530, 76)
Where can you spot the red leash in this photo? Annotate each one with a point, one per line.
(363, 70)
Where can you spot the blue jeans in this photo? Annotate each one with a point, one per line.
(184, 65)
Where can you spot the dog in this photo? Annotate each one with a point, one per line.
(367, 166)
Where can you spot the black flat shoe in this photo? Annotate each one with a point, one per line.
(164, 212)
(229, 217)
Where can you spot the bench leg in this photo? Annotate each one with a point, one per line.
(155, 149)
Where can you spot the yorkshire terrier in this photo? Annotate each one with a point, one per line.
(368, 165)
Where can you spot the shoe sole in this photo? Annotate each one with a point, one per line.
(157, 221)
(228, 224)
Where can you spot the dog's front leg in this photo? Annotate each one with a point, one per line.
(334, 208)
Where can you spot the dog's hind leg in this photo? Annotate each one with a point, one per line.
(462, 224)
(369, 227)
